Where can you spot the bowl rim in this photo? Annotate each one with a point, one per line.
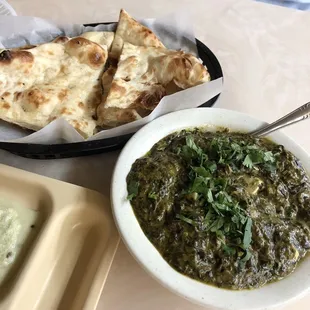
(269, 296)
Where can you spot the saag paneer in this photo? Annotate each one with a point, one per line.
(224, 208)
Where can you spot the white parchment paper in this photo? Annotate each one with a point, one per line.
(174, 30)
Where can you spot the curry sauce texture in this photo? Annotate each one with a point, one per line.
(224, 208)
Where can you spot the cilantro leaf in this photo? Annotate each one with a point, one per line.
(186, 219)
(257, 156)
(235, 219)
(227, 227)
(247, 255)
(268, 156)
(200, 185)
(208, 220)
(247, 236)
(220, 206)
(229, 250)
(187, 152)
(217, 224)
(152, 195)
(270, 167)
(202, 172)
(191, 144)
(133, 189)
(210, 196)
(236, 147)
(211, 166)
(248, 162)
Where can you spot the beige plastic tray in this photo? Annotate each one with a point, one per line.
(66, 264)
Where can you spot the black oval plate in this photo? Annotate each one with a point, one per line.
(66, 150)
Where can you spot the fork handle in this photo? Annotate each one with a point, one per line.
(296, 116)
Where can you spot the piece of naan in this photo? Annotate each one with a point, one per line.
(143, 76)
(52, 80)
(129, 30)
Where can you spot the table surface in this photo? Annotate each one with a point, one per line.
(264, 51)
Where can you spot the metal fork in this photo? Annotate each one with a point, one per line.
(295, 116)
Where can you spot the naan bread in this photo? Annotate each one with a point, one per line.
(129, 30)
(52, 80)
(143, 77)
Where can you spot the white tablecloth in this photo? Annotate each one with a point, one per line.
(264, 51)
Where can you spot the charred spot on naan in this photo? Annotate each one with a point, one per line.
(96, 59)
(67, 111)
(87, 52)
(7, 57)
(6, 106)
(81, 105)
(63, 94)
(148, 100)
(34, 99)
(61, 40)
(17, 95)
(6, 94)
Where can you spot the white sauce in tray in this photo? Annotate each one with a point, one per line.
(16, 226)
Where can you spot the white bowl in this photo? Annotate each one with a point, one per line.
(271, 295)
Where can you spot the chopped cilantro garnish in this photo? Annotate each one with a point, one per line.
(210, 196)
(185, 219)
(247, 236)
(268, 156)
(192, 145)
(202, 171)
(247, 255)
(152, 195)
(248, 162)
(224, 216)
(200, 185)
(211, 166)
(133, 188)
(229, 250)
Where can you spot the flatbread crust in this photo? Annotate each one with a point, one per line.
(52, 80)
(100, 37)
(143, 77)
(129, 30)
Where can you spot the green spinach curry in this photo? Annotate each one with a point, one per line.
(224, 208)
